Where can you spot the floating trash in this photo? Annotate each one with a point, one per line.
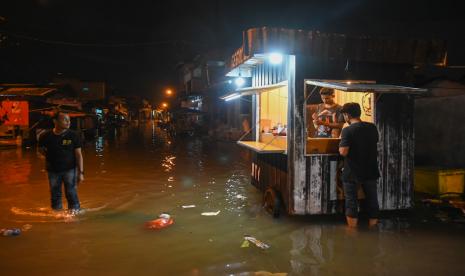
(10, 232)
(188, 206)
(208, 214)
(245, 243)
(164, 220)
(258, 243)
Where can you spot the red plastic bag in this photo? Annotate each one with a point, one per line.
(163, 221)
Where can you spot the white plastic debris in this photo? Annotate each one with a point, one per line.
(188, 206)
(258, 243)
(208, 214)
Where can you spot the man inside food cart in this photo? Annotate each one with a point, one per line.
(359, 147)
(327, 118)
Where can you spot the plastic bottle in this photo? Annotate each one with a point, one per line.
(10, 232)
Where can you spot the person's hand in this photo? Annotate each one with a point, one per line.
(319, 122)
(80, 178)
(325, 113)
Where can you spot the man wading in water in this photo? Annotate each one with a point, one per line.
(359, 147)
(62, 149)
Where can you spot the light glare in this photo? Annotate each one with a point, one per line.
(275, 58)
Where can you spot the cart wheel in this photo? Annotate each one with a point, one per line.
(272, 202)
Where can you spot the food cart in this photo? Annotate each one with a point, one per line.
(296, 171)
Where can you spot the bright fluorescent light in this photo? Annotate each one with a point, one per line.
(239, 82)
(232, 97)
(275, 58)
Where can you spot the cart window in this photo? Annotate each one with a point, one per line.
(273, 117)
(325, 122)
(365, 100)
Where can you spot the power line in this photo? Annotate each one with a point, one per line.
(103, 45)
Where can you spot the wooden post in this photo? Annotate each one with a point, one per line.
(296, 138)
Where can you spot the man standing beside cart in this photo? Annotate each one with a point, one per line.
(359, 147)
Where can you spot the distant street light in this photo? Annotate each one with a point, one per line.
(169, 92)
(164, 105)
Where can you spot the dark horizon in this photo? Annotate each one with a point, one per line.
(135, 47)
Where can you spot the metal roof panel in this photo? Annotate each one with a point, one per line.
(349, 86)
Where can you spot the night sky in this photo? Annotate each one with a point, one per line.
(135, 45)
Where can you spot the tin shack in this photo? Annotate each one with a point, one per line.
(285, 70)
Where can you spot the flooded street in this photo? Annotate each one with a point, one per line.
(134, 174)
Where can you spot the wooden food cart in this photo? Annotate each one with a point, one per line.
(298, 172)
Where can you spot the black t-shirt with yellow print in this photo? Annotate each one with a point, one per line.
(59, 149)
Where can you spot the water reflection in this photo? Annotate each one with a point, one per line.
(15, 167)
(99, 146)
(321, 249)
(235, 192)
(310, 251)
(146, 175)
(168, 163)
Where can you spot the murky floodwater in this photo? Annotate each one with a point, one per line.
(135, 174)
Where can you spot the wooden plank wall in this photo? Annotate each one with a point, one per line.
(394, 119)
(270, 170)
(296, 137)
(304, 199)
(320, 190)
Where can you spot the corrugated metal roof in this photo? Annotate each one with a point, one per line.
(331, 46)
(348, 86)
(252, 90)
